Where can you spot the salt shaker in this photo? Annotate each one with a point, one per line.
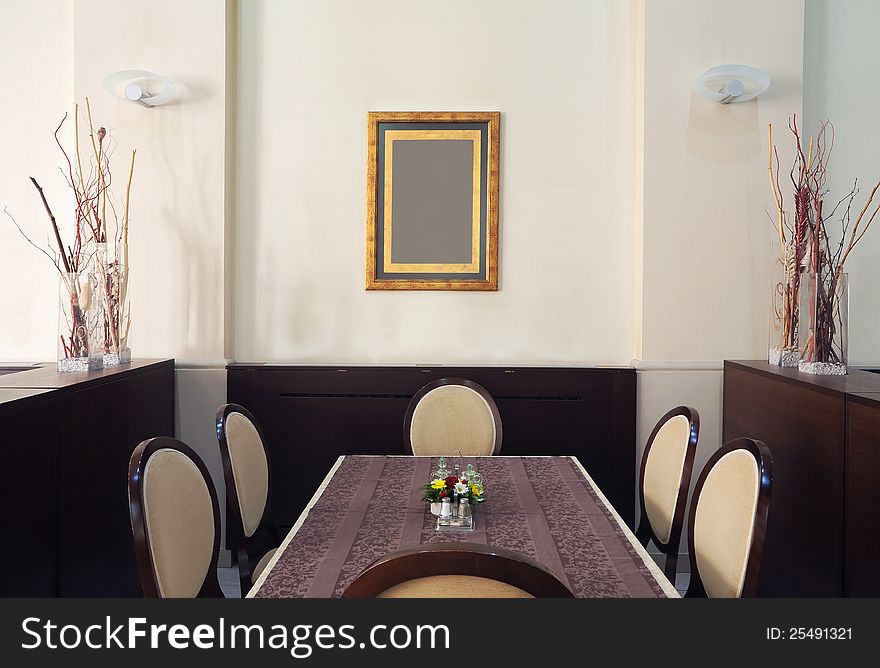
(445, 507)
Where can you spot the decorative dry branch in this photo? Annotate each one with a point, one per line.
(90, 182)
(54, 223)
(774, 186)
(855, 235)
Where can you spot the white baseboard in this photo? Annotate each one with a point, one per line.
(677, 365)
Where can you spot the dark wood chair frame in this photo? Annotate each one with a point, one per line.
(137, 464)
(645, 531)
(457, 559)
(247, 550)
(479, 389)
(764, 460)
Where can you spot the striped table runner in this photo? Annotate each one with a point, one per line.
(547, 508)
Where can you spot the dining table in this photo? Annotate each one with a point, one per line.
(546, 508)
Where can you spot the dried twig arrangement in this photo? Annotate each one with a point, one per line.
(793, 232)
(809, 250)
(92, 199)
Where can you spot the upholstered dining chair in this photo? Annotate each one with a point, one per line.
(175, 520)
(728, 520)
(456, 570)
(664, 480)
(452, 415)
(249, 526)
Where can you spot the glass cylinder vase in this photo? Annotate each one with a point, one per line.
(824, 323)
(79, 322)
(783, 323)
(114, 308)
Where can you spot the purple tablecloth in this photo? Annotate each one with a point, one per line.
(543, 507)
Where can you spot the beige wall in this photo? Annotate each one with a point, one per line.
(632, 211)
(36, 51)
(179, 209)
(56, 53)
(178, 194)
(560, 74)
(840, 68)
(705, 234)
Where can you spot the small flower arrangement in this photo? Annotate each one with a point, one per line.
(440, 488)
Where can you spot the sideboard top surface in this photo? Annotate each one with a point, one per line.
(46, 377)
(856, 381)
(867, 398)
(10, 394)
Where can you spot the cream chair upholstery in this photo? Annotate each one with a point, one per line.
(180, 522)
(728, 520)
(664, 480)
(663, 471)
(250, 469)
(175, 520)
(724, 522)
(261, 565)
(449, 416)
(252, 534)
(459, 586)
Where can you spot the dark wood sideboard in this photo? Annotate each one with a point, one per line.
(312, 414)
(66, 440)
(823, 533)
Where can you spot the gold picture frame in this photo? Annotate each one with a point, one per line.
(433, 223)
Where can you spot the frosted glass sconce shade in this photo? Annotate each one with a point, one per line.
(732, 83)
(146, 88)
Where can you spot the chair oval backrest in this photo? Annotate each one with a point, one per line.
(175, 520)
(666, 471)
(250, 469)
(453, 414)
(457, 570)
(728, 519)
(250, 531)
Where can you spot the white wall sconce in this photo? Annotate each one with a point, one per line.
(141, 86)
(732, 83)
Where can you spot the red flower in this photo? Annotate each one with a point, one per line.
(443, 495)
(451, 480)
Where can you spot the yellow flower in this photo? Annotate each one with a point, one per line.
(475, 490)
(439, 483)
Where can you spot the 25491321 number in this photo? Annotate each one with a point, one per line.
(820, 633)
(810, 633)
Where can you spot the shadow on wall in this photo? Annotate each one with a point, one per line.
(201, 326)
(723, 133)
(727, 234)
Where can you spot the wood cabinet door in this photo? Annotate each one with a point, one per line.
(804, 428)
(862, 576)
(28, 500)
(101, 427)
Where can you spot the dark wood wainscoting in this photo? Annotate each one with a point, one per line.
(66, 441)
(313, 414)
(823, 530)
